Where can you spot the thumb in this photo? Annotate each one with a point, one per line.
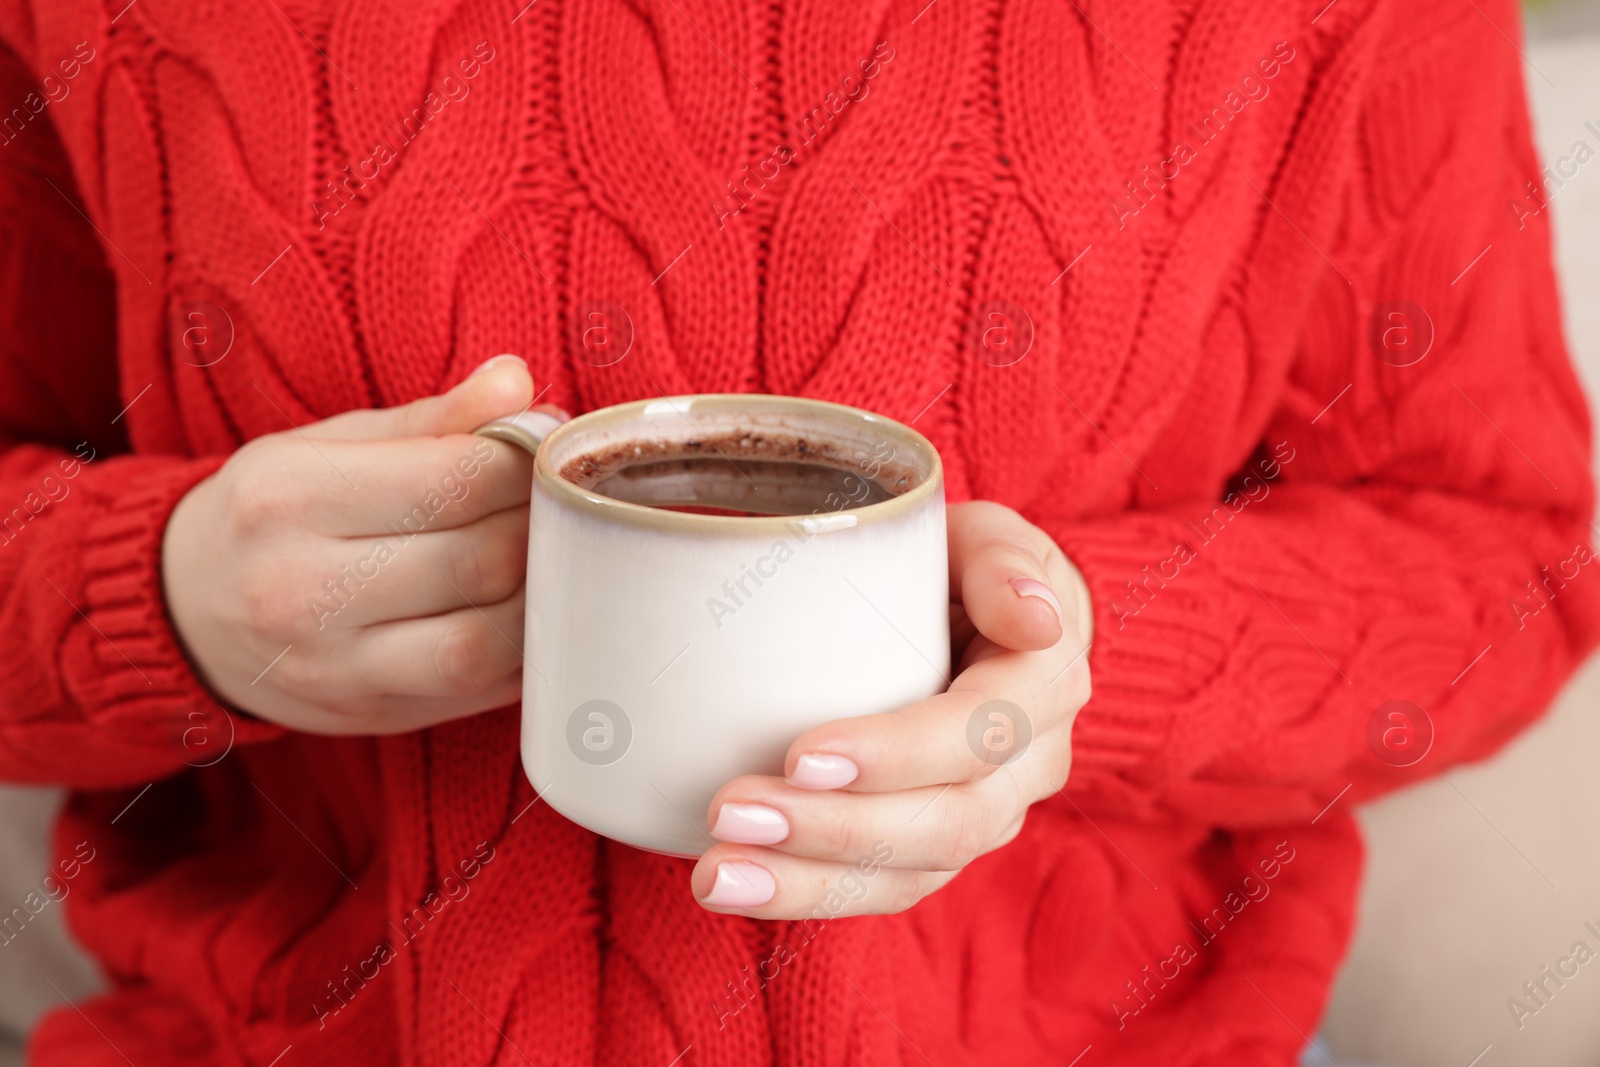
(1001, 563)
(499, 386)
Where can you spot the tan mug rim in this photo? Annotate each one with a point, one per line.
(604, 507)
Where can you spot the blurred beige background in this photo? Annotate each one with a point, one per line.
(1459, 908)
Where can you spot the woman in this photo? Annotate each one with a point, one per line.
(1241, 367)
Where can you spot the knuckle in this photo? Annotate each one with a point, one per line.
(364, 714)
(1060, 775)
(909, 890)
(412, 418)
(1072, 692)
(272, 606)
(469, 567)
(464, 657)
(1013, 551)
(299, 674)
(261, 495)
(1009, 834)
(990, 511)
(838, 837)
(963, 835)
(482, 566)
(251, 510)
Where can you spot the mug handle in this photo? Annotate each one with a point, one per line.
(526, 429)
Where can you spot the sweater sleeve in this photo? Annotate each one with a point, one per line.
(95, 690)
(1414, 533)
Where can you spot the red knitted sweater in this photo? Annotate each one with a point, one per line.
(1131, 270)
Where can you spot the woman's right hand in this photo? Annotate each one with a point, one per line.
(363, 574)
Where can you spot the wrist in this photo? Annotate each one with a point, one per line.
(181, 564)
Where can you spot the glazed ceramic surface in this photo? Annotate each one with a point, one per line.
(669, 652)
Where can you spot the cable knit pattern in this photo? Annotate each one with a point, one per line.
(367, 199)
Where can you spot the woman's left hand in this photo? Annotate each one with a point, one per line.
(879, 811)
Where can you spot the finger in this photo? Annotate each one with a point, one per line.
(394, 488)
(932, 829)
(943, 828)
(460, 654)
(372, 581)
(386, 714)
(397, 715)
(998, 561)
(763, 884)
(989, 713)
(500, 386)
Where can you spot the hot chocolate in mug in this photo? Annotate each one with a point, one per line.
(708, 578)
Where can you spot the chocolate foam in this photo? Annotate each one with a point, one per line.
(756, 455)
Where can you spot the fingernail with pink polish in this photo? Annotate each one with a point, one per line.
(750, 824)
(823, 771)
(495, 361)
(1031, 587)
(741, 885)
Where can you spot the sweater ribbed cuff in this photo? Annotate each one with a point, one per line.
(1145, 664)
(142, 690)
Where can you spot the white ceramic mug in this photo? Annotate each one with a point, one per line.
(670, 651)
